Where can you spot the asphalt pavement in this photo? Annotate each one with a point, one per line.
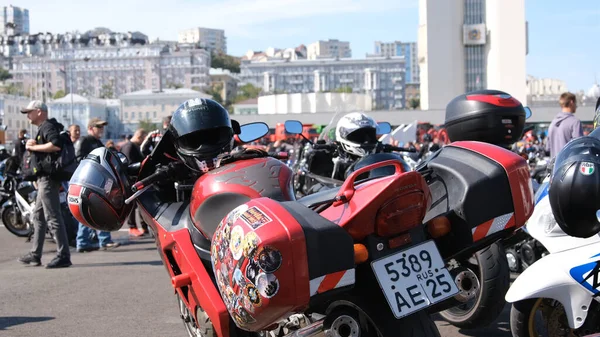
(122, 292)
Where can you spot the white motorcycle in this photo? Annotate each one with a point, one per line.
(563, 286)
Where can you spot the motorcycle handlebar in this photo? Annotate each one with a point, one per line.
(324, 146)
(279, 155)
(400, 149)
(149, 180)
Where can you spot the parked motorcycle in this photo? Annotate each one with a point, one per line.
(563, 286)
(245, 256)
(18, 202)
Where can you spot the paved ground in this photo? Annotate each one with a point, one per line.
(125, 292)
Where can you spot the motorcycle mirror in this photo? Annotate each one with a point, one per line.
(293, 127)
(123, 158)
(384, 128)
(528, 112)
(253, 131)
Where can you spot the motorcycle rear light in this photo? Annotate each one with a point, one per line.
(400, 241)
(401, 214)
(439, 226)
(497, 100)
(361, 254)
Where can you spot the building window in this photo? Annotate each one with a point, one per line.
(125, 114)
(154, 114)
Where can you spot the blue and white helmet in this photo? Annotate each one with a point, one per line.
(357, 133)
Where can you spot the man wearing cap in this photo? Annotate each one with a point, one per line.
(83, 147)
(47, 204)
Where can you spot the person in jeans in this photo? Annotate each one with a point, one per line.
(45, 148)
(565, 126)
(84, 146)
(131, 150)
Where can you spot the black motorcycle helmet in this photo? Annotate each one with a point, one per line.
(202, 133)
(574, 189)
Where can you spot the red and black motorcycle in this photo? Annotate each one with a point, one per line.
(246, 258)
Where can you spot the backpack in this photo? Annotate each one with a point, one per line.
(65, 162)
(28, 166)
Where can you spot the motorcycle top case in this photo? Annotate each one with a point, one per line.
(261, 262)
(487, 116)
(487, 187)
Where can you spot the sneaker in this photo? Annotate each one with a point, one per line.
(111, 245)
(59, 262)
(30, 259)
(87, 249)
(134, 232)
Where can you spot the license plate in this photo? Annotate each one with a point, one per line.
(414, 279)
(62, 196)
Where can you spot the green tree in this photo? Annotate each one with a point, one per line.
(414, 103)
(4, 75)
(220, 60)
(59, 94)
(215, 92)
(347, 90)
(14, 89)
(148, 126)
(247, 91)
(174, 85)
(106, 91)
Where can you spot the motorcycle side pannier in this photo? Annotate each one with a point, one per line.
(489, 116)
(487, 188)
(268, 257)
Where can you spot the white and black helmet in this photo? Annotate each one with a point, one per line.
(357, 133)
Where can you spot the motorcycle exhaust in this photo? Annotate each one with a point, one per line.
(468, 284)
(309, 330)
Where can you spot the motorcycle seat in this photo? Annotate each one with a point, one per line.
(319, 197)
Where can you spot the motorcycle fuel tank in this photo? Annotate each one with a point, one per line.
(219, 191)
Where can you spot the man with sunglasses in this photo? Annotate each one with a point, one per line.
(83, 147)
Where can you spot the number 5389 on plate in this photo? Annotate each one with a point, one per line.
(414, 279)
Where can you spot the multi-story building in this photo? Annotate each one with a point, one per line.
(488, 52)
(14, 20)
(329, 49)
(151, 107)
(382, 78)
(10, 110)
(110, 71)
(406, 49)
(545, 86)
(76, 109)
(212, 39)
(314, 102)
(227, 81)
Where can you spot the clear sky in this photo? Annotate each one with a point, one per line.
(564, 36)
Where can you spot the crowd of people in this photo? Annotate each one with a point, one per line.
(44, 147)
(47, 143)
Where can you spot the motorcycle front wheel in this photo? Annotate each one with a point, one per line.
(540, 317)
(14, 223)
(491, 267)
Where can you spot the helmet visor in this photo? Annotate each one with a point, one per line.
(93, 175)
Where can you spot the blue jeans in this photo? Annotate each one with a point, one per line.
(84, 235)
